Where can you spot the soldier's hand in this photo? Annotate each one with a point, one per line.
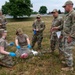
(29, 46)
(34, 32)
(37, 29)
(69, 39)
(34, 29)
(0, 24)
(18, 47)
(55, 28)
(12, 54)
(11, 43)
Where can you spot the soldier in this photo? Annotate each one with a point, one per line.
(5, 59)
(3, 21)
(69, 34)
(38, 28)
(22, 44)
(57, 22)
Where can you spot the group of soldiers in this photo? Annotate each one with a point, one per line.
(62, 32)
(65, 28)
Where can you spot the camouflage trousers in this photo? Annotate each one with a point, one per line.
(23, 50)
(67, 50)
(6, 60)
(56, 42)
(38, 39)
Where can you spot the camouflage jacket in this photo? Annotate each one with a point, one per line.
(69, 24)
(57, 22)
(3, 43)
(39, 25)
(3, 21)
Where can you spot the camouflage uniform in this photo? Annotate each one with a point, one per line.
(69, 30)
(6, 60)
(3, 22)
(57, 22)
(40, 25)
(22, 41)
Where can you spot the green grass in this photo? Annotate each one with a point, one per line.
(46, 64)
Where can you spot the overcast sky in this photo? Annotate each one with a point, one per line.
(50, 4)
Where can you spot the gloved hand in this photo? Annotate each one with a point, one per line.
(11, 44)
(12, 54)
(18, 47)
(29, 46)
(34, 32)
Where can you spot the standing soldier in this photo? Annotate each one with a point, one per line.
(69, 34)
(38, 28)
(2, 21)
(57, 22)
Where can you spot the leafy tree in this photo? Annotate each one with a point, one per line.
(43, 10)
(17, 8)
(74, 8)
(59, 11)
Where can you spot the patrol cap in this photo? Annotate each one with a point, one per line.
(55, 10)
(69, 2)
(38, 15)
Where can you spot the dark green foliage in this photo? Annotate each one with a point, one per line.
(43, 10)
(17, 8)
(59, 11)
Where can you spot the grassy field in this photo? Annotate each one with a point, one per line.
(46, 64)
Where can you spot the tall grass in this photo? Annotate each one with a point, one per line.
(46, 64)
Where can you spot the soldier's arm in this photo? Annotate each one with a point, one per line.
(16, 41)
(2, 43)
(28, 41)
(72, 34)
(33, 26)
(42, 26)
(5, 21)
(61, 22)
(0, 24)
(3, 51)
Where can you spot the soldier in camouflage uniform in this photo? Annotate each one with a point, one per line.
(5, 57)
(69, 34)
(38, 28)
(2, 21)
(22, 43)
(57, 22)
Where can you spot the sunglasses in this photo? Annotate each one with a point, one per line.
(38, 17)
(53, 12)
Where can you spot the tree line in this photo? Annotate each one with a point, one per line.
(22, 7)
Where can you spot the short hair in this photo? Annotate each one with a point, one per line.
(19, 31)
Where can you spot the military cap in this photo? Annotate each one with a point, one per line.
(69, 2)
(38, 15)
(55, 10)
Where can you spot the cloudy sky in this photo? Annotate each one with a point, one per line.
(50, 4)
